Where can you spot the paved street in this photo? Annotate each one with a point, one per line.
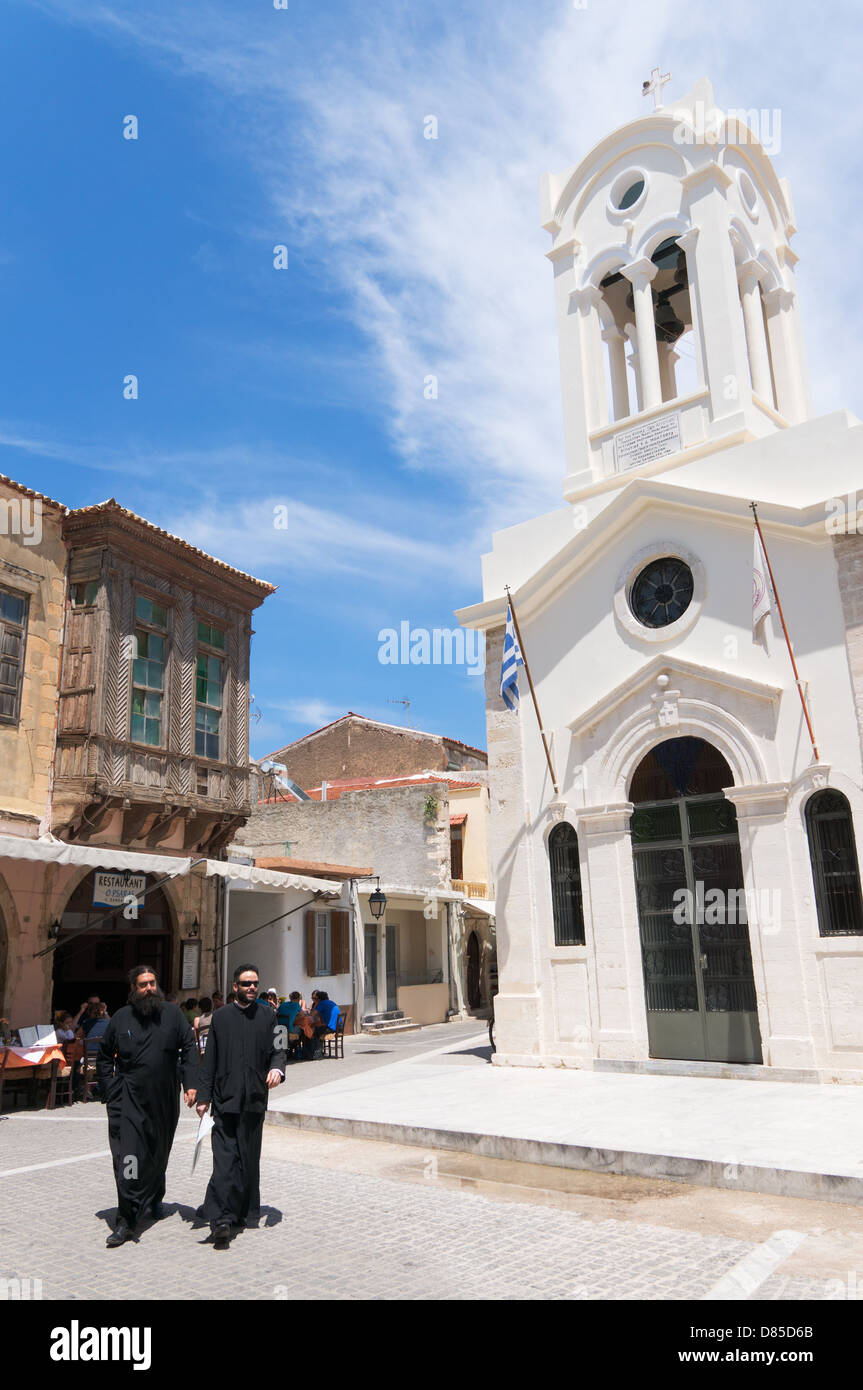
(407, 1224)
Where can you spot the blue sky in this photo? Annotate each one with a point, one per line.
(407, 258)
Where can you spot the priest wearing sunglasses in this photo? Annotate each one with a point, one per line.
(245, 1055)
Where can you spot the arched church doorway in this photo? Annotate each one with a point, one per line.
(99, 960)
(474, 986)
(698, 981)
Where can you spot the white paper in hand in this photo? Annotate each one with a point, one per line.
(204, 1128)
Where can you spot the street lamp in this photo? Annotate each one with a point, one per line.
(377, 902)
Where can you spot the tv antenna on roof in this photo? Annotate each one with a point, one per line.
(407, 704)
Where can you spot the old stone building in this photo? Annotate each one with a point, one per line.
(124, 763)
(356, 747)
(689, 897)
(424, 838)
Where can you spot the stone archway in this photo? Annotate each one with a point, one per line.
(697, 963)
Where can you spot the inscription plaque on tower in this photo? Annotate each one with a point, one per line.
(655, 439)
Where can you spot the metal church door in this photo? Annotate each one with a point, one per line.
(698, 981)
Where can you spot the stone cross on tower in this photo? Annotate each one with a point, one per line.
(655, 85)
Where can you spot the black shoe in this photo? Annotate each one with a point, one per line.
(157, 1211)
(222, 1235)
(120, 1234)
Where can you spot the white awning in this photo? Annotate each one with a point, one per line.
(47, 850)
(483, 905)
(271, 878)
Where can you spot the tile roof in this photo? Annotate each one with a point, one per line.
(112, 506)
(353, 784)
(312, 867)
(28, 492)
(379, 724)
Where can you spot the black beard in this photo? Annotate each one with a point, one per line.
(148, 1004)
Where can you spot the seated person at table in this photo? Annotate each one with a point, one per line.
(287, 1011)
(324, 1017)
(64, 1027)
(90, 1014)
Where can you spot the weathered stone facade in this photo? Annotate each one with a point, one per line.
(394, 829)
(357, 747)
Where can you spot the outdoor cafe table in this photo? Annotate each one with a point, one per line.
(38, 1056)
(34, 1061)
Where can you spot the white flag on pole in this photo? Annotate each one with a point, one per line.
(761, 604)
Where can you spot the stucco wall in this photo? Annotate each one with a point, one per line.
(35, 571)
(385, 830)
(424, 1003)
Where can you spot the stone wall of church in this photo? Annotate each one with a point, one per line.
(518, 1028)
(848, 553)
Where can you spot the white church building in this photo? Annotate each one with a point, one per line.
(688, 898)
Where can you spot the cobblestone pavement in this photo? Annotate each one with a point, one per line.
(407, 1225)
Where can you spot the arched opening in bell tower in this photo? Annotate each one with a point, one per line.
(648, 332)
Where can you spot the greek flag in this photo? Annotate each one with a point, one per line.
(512, 659)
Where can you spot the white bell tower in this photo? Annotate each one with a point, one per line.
(674, 280)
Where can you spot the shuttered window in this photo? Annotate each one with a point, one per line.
(566, 887)
(328, 945)
(14, 609)
(835, 870)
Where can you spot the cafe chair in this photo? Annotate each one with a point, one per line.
(334, 1043)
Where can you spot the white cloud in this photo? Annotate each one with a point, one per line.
(435, 245)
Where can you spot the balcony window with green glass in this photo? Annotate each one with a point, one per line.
(148, 611)
(208, 707)
(148, 682)
(210, 636)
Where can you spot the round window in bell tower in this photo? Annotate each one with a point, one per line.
(662, 592)
(627, 190)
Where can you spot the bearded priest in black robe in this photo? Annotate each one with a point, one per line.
(245, 1054)
(146, 1046)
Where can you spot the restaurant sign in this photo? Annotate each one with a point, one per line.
(646, 443)
(114, 890)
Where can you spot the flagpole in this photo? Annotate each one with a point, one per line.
(797, 679)
(532, 691)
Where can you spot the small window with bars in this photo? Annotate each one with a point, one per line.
(835, 870)
(14, 610)
(208, 706)
(566, 901)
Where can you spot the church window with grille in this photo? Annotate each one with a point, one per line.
(835, 870)
(566, 900)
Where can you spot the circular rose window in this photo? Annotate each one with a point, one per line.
(662, 592)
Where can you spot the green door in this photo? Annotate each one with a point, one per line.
(698, 982)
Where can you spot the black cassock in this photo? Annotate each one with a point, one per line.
(138, 1066)
(241, 1049)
